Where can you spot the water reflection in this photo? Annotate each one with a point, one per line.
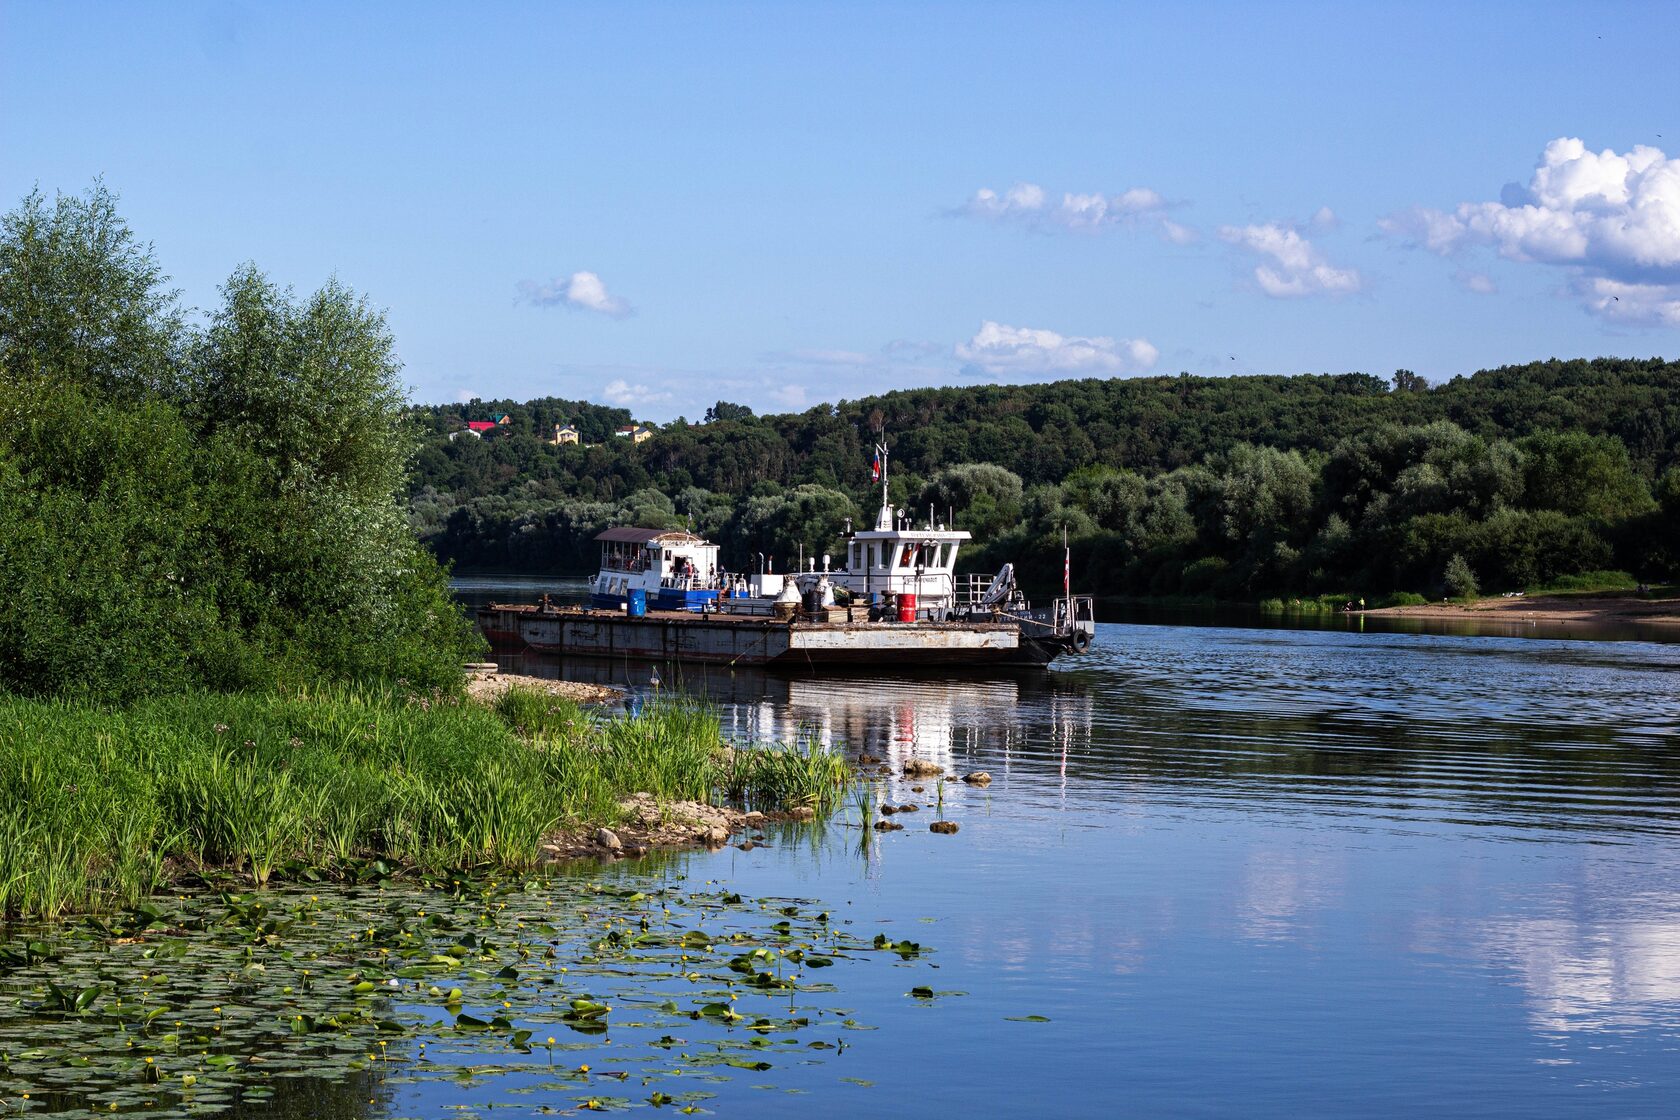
(1370, 728)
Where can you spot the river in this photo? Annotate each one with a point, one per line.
(1251, 871)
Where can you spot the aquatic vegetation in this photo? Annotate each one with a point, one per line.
(110, 804)
(582, 990)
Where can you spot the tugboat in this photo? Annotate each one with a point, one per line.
(895, 599)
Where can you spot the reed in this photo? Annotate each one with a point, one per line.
(105, 805)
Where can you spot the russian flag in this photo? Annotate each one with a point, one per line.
(875, 470)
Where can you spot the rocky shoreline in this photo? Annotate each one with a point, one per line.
(649, 823)
(485, 682)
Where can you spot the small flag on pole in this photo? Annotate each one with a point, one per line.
(875, 468)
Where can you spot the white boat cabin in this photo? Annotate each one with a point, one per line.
(674, 567)
(897, 558)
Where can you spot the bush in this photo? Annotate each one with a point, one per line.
(187, 510)
(1458, 579)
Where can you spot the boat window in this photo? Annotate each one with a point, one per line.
(872, 560)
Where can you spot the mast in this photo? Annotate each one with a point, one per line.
(884, 519)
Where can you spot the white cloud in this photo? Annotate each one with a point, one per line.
(620, 392)
(1022, 198)
(1611, 219)
(997, 350)
(1479, 282)
(581, 289)
(1177, 234)
(1643, 304)
(1030, 204)
(791, 397)
(1291, 265)
(466, 396)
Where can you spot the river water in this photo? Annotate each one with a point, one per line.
(1252, 871)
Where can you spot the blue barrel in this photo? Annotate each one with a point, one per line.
(638, 602)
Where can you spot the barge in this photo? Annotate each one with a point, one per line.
(893, 600)
(798, 642)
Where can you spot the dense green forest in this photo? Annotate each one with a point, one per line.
(1226, 486)
(199, 506)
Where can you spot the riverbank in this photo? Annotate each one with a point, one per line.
(109, 805)
(1589, 608)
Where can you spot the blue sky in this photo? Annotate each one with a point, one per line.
(782, 204)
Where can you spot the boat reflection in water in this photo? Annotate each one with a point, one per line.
(949, 721)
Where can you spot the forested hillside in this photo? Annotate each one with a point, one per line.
(1234, 486)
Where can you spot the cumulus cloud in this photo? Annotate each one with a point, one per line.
(581, 289)
(1031, 205)
(622, 393)
(1622, 302)
(1611, 219)
(1291, 266)
(999, 350)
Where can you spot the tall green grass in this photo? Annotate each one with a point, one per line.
(104, 805)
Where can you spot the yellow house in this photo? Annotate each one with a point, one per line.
(636, 433)
(563, 434)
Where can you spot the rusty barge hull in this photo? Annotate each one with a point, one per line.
(680, 636)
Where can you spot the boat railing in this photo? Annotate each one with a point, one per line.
(968, 590)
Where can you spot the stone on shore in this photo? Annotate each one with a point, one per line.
(921, 768)
(609, 840)
(943, 827)
(978, 778)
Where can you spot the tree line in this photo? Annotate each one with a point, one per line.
(1224, 486)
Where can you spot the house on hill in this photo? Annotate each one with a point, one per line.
(478, 429)
(563, 433)
(635, 433)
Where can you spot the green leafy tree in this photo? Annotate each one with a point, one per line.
(216, 509)
(82, 301)
(1458, 579)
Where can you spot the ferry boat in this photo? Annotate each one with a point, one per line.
(894, 597)
(672, 568)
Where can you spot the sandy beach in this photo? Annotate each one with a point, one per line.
(1606, 608)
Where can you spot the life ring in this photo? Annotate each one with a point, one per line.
(1081, 641)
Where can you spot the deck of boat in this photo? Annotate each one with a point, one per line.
(758, 639)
